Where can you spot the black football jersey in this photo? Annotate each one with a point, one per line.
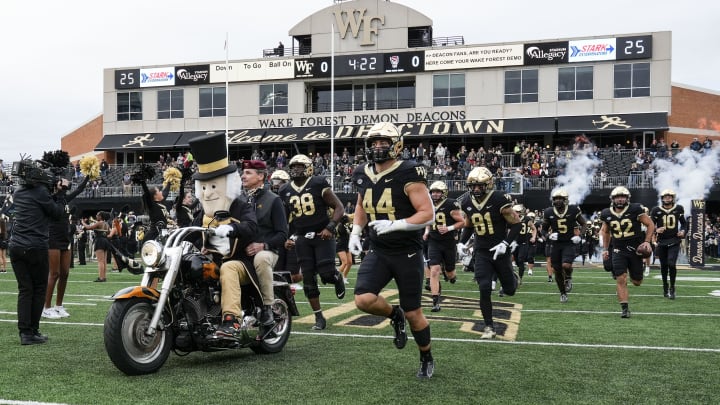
(308, 211)
(673, 219)
(564, 223)
(443, 216)
(525, 230)
(489, 225)
(626, 230)
(383, 197)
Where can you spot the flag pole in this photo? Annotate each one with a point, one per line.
(227, 97)
(332, 106)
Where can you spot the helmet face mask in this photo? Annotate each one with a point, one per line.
(667, 197)
(559, 198)
(277, 179)
(620, 197)
(438, 191)
(381, 153)
(480, 182)
(300, 167)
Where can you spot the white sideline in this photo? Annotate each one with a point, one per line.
(456, 340)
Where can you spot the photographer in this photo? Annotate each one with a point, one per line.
(28, 248)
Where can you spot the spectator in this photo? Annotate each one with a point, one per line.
(707, 145)
(675, 146)
(280, 50)
(104, 167)
(127, 184)
(695, 145)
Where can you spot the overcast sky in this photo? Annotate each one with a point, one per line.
(53, 53)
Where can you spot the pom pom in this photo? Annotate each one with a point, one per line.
(90, 167)
(58, 158)
(171, 178)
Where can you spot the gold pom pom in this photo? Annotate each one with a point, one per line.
(90, 167)
(171, 178)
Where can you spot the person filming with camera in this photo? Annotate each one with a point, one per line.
(35, 207)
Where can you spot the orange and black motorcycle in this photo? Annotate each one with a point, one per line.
(145, 323)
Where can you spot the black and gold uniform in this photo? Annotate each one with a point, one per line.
(442, 248)
(626, 234)
(522, 254)
(560, 222)
(671, 220)
(308, 216)
(383, 197)
(491, 229)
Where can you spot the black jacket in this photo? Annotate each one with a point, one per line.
(34, 208)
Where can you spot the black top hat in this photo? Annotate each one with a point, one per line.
(210, 153)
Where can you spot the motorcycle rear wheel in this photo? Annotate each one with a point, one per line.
(282, 329)
(130, 349)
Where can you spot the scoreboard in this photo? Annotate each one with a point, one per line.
(361, 64)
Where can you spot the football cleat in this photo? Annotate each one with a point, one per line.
(320, 323)
(563, 298)
(647, 271)
(427, 367)
(568, 285)
(671, 293)
(625, 313)
(488, 333)
(398, 324)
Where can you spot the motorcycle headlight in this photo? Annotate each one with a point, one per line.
(151, 253)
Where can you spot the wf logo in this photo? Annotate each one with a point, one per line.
(304, 67)
(355, 20)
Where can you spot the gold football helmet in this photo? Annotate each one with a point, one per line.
(297, 172)
(442, 188)
(559, 198)
(480, 177)
(620, 191)
(667, 193)
(383, 130)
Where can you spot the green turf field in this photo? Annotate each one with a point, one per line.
(580, 352)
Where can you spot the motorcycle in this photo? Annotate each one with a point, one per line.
(144, 323)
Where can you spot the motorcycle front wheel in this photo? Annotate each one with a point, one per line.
(281, 332)
(131, 350)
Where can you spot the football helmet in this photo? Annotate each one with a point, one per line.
(520, 209)
(559, 198)
(383, 130)
(667, 193)
(482, 177)
(620, 191)
(442, 188)
(277, 179)
(297, 172)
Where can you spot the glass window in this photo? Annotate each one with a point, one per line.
(273, 98)
(129, 106)
(632, 80)
(521, 86)
(170, 104)
(368, 96)
(449, 89)
(212, 102)
(575, 83)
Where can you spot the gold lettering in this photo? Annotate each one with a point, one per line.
(353, 20)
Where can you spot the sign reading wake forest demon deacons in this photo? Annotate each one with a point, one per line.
(696, 251)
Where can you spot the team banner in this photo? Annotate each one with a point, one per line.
(696, 251)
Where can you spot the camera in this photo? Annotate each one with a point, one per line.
(36, 172)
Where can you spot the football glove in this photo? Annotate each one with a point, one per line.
(513, 246)
(383, 226)
(355, 245)
(576, 239)
(224, 231)
(553, 236)
(499, 249)
(462, 249)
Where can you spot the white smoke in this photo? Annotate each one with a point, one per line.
(579, 173)
(690, 176)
